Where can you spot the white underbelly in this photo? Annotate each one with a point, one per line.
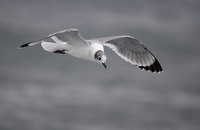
(80, 52)
(84, 52)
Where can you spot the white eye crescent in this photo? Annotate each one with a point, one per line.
(99, 58)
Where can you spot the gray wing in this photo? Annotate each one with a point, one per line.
(131, 50)
(71, 36)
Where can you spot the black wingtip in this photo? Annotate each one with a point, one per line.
(155, 67)
(24, 45)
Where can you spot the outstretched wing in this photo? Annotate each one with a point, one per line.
(131, 50)
(70, 36)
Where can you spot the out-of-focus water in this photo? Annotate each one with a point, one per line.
(40, 90)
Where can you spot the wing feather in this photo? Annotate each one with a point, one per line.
(71, 36)
(133, 51)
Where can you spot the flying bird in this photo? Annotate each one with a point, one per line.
(69, 41)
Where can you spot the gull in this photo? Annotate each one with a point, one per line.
(69, 41)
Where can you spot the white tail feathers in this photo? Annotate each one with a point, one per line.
(53, 47)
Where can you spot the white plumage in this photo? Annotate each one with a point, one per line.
(127, 47)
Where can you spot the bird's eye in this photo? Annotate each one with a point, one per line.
(99, 58)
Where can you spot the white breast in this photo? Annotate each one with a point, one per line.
(86, 52)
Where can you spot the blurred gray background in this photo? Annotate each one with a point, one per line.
(45, 91)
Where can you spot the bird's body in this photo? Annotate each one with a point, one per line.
(81, 52)
(70, 42)
(87, 52)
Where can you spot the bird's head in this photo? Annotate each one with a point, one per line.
(100, 57)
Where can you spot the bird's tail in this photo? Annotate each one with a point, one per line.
(54, 47)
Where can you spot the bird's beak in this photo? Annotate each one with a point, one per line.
(104, 64)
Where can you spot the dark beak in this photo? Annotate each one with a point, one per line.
(104, 65)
